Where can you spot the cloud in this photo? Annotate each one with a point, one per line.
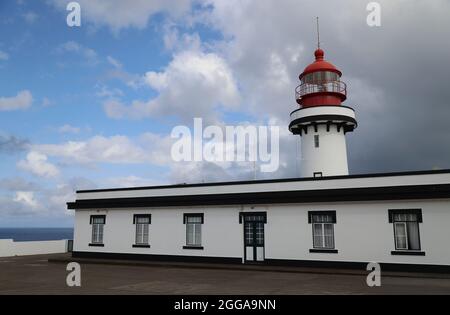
(131, 181)
(87, 53)
(110, 93)
(22, 100)
(130, 79)
(9, 206)
(149, 148)
(119, 14)
(37, 164)
(17, 183)
(396, 94)
(69, 129)
(27, 199)
(33, 200)
(3, 55)
(173, 41)
(114, 62)
(12, 144)
(194, 84)
(117, 72)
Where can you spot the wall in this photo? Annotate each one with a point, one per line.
(222, 235)
(362, 232)
(9, 248)
(330, 158)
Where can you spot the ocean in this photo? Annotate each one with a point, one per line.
(36, 234)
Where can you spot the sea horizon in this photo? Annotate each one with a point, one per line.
(24, 234)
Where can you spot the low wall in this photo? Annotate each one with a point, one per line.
(9, 248)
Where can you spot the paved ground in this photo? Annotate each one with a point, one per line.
(35, 275)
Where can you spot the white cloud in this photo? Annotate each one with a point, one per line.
(194, 84)
(27, 199)
(30, 199)
(87, 53)
(3, 55)
(131, 181)
(69, 129)
(114, 62)
(37, 164)
(22, 100)
(149, 148)
(174, 41)
(130, 79)
(119, 14)
(116, 149)
(110, 93)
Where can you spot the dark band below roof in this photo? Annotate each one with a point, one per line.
(272, 197)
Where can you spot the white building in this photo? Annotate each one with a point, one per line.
(325, 218)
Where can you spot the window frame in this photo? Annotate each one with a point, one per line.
(99, 241)
(322, 236)
(186, 217)
(135, 222)
(323, 248)
(407, 250)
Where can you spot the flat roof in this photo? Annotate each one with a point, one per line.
(268, 181)
(364, 187)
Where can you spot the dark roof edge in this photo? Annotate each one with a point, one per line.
(268, 181)
(272, 197)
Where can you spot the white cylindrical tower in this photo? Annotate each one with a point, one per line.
(321, 120)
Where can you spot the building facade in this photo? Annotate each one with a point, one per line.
(325, 218)
(399, 220)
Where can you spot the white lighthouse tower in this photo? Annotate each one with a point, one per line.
(322, 121)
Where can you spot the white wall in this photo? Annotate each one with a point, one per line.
(362, 232)
(330, 157)
(9, 248)
(222, 235)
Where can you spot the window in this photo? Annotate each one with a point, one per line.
(97, 222)
(323, 229)
(193, 223)
(142, 222)
(406, 229)
(320, 77)
(316, 141)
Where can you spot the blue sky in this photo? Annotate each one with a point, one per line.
(93, 106)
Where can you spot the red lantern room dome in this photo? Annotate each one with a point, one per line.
(320, 65)
(321, 84)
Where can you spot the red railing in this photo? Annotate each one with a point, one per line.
(309, 88)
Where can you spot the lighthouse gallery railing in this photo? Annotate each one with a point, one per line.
(309, 88)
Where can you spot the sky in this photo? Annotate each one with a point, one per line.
(94, 106)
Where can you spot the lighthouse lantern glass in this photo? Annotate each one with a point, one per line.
(320, 77)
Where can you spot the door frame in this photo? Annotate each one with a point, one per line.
(242, 220)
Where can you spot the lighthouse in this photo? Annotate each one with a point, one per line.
(322, 121)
